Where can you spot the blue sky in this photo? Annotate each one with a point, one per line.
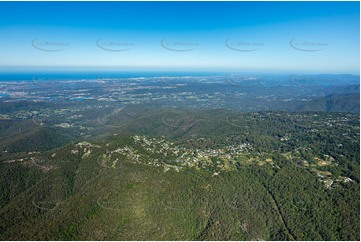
(312, 37)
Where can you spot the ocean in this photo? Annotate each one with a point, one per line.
(89, 75)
